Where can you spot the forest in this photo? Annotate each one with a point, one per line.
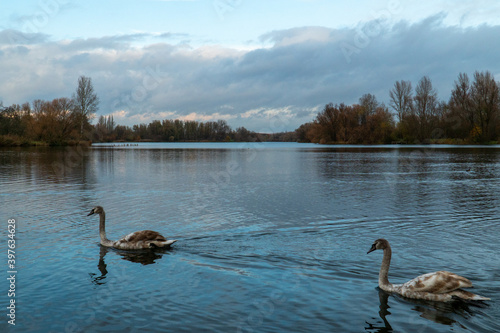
(416, 116)
(471, 116)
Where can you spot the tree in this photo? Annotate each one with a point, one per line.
(461, 108)
(242, 134)
(55, 121)
(86, 102)
(485, 98)
(222, 129)
(104, 129)
(380, 126)
(11, 121)
(401, 99)
(425, 103)
(124, 133)
(191, 129)
(328, 124)
(369, 104)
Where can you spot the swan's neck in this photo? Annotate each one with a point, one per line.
(102, 230)
(383, 280)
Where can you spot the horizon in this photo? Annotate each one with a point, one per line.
(268, 67)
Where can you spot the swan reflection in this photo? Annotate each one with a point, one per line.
(144, 257)
(437, 312)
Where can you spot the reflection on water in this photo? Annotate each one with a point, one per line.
(383, 313)
(144, 257)
(272, 237)
(100, 279)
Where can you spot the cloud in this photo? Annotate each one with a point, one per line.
(298, 36)
(107, 42)
(123, 116)
(272, 88)
(14, 37)
(206, 117)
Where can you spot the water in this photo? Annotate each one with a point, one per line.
(272, 237)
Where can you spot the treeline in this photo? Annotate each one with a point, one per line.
(367, 122)
(470, 116)
(178, 130)
(66, 121)
(61, 121)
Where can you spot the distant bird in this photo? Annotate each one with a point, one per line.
(145, 239)
(439, 286)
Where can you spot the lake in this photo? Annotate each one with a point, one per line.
(272, 237)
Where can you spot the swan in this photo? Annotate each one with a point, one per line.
(144, 239)
(439, 286)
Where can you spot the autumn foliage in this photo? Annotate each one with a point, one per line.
(470, 116)
(354, 124)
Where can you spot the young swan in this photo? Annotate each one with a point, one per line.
(439, 286)
(145, 239)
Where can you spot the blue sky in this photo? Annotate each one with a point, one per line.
(266, 65)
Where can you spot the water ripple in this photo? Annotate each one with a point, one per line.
(280, 245)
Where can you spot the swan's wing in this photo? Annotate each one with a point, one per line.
(144, 235)
(437, 283)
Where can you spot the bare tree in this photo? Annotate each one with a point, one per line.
(401, 98)
(369, 104)
(86, 101)
(425, 103)
(461, 103)
(62, 109)
(485, 97)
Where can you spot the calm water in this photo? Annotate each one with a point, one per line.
(272, 237)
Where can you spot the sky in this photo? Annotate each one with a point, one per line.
(268, 66)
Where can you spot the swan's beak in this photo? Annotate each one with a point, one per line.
(91, 212)
(373, 248)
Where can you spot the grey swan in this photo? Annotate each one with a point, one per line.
(439, 286)
(145, 239)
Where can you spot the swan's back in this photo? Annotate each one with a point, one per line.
(439, 286)
(143, 240)
(144, 235)
(437, 283)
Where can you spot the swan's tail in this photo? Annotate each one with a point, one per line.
(480, 298)
(163, 244)
(468, 296)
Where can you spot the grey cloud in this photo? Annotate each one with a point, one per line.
(171, 35)
(297, 35)
(15, 37)
(409, 52)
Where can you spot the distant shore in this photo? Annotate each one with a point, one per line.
(10, 142)
(16, 141)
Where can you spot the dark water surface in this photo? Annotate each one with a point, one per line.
(272, 237)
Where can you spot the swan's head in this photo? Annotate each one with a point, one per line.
(96, 210)
(379, 244)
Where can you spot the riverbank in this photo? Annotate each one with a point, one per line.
(17, 141)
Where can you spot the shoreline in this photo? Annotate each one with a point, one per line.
(14, 141)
